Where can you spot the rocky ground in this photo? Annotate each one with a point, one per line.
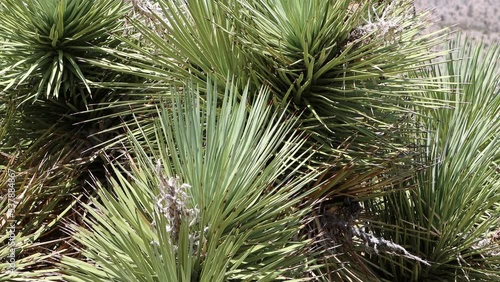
(480, 19)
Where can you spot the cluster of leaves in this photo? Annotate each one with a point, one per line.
(451, 216)
(44, 42)
(239, 219)
(323, 58)
(337, 150)
(47, 133)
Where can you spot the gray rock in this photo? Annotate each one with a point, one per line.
(479, 19)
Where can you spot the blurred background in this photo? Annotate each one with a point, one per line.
(480, 19)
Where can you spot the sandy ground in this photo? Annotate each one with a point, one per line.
(480, 19)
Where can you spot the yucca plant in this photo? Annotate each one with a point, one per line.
(44, 136)
(237, 217)
(45, 75)
(450, 217)
(253, 211)
(47, 87)
(341, 62)
(43, 67)
(43, 43)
